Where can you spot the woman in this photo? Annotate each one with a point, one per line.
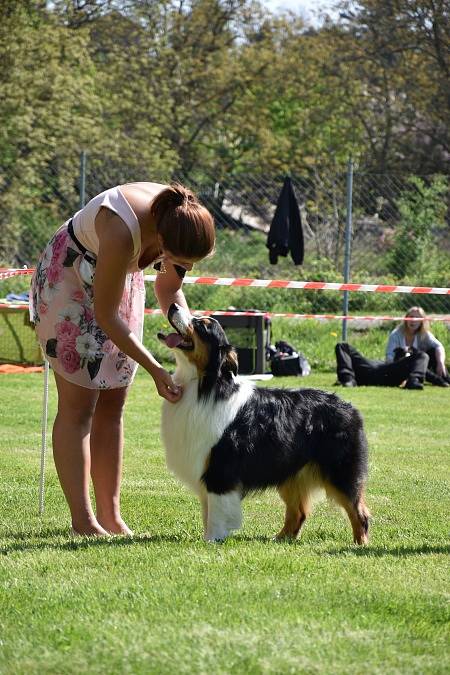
(414, 335)
(410, 349)
(88, 308)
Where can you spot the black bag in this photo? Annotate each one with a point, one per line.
(285, 360)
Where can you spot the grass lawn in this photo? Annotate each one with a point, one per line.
(166, 602)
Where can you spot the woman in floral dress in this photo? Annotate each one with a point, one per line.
(87, 304)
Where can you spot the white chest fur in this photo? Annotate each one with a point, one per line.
(191, 427)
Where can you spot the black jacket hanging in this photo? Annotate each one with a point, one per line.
(286, 232)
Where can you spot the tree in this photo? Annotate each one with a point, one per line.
(48, 109)
(399, 51)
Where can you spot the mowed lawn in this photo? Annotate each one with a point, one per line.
(166, 602)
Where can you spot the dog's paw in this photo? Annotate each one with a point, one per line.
(214, 541)
(216, 535)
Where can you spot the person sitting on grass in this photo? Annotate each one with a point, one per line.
(411, 349)
(414, 334)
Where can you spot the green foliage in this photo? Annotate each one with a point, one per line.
(422, 211)
(48, 108)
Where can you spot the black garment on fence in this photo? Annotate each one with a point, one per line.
(286, 232)
(351, 365)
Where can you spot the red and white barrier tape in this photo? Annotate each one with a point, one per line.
(272, 315)
(279, 283)
(309, 285)
(6, 273)
(292, 315)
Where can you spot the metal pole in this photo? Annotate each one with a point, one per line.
(348, 239)
(44, 438)
(82, 178)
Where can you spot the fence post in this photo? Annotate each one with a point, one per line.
(82, 178)
(348, 239)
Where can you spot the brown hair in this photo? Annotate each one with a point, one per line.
(186, 227)
(424, 325)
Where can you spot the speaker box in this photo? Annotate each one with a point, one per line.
(250, 336)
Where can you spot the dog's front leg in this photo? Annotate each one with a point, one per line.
(224, 515)
(204, 504)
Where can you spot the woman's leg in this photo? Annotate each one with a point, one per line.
(344, 365)
(431, 374)
(410, 368)
(353, 366)
(106, 458)
(71, 451)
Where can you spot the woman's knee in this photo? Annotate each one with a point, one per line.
(111, 403)
(421, 357)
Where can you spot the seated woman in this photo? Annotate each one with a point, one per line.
(413, 335)
(408, 352)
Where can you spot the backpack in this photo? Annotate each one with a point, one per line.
(286, 360)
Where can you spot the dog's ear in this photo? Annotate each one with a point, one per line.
(218, 374)
(230, 362)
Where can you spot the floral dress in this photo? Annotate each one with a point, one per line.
(62, 310)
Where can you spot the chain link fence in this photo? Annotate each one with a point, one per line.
(399, 232)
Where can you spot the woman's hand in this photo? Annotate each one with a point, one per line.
(440, 362)
(165, 386)
(440, 369)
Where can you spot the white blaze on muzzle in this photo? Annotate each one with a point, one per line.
(181, 320)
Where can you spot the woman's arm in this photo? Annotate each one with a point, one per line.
(440, 361)
(393, 343)
(434, 343)
(114, 255)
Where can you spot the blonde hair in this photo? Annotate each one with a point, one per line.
(186, 226)
(424, 325)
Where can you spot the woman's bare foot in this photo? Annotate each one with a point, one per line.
(89, 530)
(115, 526)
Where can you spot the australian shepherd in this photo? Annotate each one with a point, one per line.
(226, 437)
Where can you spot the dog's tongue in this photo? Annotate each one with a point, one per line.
(173, 340)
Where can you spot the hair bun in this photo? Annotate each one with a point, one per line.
(180, 196)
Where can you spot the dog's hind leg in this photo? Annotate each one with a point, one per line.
(224, 515)
(356, 510)
(297, 507)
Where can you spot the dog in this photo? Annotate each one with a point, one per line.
(226, 437)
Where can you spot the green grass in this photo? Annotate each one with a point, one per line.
(166, 602)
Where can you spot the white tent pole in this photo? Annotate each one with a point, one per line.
(44, 438)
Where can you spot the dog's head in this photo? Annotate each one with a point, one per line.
(401, 352)
(201, 344)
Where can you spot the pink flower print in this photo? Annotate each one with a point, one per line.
(78, 296)
(140, 284)
(43, 308)
(59, 244)
(108, 347)
(68, 356)
(125, 297)
(67, 332)
(55, 273)
(88, 314)
(59, 253)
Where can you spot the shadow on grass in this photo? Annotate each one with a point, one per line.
(351, 549)
(48, 540)
(35, 542)
(396, 552)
